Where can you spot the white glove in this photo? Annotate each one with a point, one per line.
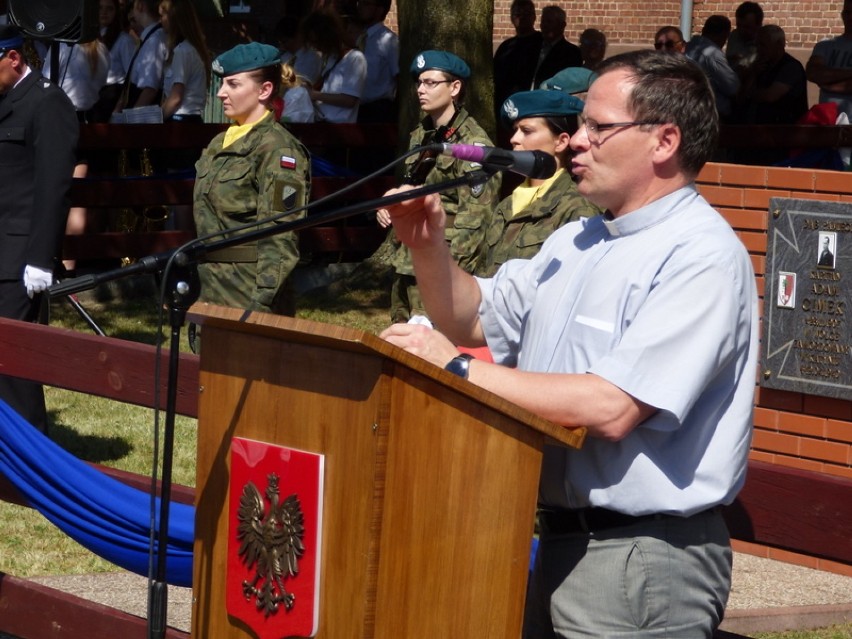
(36, 279)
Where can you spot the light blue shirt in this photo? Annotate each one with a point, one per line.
(662, 303)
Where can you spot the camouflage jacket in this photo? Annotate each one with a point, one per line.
(521, 236)
(262, 174)
(468, 210)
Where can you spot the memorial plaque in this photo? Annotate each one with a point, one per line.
(806, 343)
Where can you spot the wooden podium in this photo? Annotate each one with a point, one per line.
(430, 481)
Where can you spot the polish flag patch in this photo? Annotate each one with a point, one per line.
(286, 162)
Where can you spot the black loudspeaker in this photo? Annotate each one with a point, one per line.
(60, 20)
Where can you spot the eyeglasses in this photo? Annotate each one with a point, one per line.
(593, 128)
(668, 44)
(429, 84)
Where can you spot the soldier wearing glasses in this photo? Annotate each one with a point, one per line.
(639, 325)
(440, 80)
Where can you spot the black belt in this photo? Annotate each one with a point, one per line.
(589, 520)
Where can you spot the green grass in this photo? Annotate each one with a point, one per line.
(120, 435)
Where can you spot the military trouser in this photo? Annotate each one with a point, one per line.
(405, 298)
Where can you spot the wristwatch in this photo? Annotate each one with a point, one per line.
(460, 365)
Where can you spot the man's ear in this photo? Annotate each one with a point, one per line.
(668, 141)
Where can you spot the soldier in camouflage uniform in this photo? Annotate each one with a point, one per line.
(253, 171)
(542, 121)
(440, 77)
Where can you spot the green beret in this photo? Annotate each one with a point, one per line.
(441, 61)
(246, 57)
(570, 80)
(539, 104)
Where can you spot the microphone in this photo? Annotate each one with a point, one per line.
(533, 164)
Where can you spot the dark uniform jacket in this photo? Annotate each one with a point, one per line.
(562, 55)
(38, 140)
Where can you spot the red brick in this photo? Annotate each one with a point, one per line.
(823, 450)
(799, 179)
(837, 471)
(828, 407)
(749, 548)
(754, 242)
(710, 174)
(722, 196)
(746, 219)
(766, 418)
(801, 424)
(743, 175)
(758, 263)
(760, 283)
(839, 431)
(759, 199)
(833, 181)
(775, 442)
(792, 558)
(835, 567)
(759, 455)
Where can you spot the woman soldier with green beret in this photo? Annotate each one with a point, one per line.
(252, 171)
(542, 121)
(440, 80)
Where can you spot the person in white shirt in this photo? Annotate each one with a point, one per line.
(121, 45)
(344, 72)
(146, 72)
(186, 76)
(81, 72)
(307, 62)
(381, 48)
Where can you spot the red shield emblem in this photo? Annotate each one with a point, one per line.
(275, 515)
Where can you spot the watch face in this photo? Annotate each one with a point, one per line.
(459, 365)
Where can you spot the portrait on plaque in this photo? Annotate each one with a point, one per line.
(786, 290)
(827, 250)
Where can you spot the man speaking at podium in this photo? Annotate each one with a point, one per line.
(639, 325)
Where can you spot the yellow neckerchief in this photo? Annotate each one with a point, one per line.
(236, 131)
(524, 195)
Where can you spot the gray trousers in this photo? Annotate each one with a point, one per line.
(660, 578)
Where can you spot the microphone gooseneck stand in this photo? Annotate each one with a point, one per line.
(180, 273)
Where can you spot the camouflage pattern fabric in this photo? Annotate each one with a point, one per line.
(264, 173)
(521, 236)
(468, 210)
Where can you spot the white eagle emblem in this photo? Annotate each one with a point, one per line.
(421, 61)
(511, 110)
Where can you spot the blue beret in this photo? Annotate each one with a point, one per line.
(11, 37)
(442, 61)
(246, 57)
(570, 80)
(538, 104)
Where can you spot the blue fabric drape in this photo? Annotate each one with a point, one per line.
(109, 518)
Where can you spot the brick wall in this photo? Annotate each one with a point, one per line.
(633, 23)
(790, 429)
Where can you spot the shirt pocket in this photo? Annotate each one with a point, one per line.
(13, 149)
